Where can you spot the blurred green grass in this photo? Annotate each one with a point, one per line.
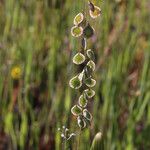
(35, 35)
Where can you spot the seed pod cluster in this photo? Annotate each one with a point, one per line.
(84, 80)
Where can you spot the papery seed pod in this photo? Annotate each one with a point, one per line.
(90, 54)
(89, 92)
(75, 82)
(90, 82)
(82, 101)
(97, 12)
(88, 31)
(87, 114)
(88, 71)
(81, 122)
(78, 59)
(78, 19)
(88, 122)
(83, 43)
(85, 95)
(91, 64)
(76, 31)
(76, 110)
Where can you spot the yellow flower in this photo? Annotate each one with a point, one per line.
(16, 72)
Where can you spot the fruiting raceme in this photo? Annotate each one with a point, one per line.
(84, 79)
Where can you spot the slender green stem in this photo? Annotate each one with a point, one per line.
(79, 138)
(65, 145)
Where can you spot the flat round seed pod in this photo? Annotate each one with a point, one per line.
(76, 110)
(75, 83)
(78, 19)
(82, 101)
(90, 54)
(89, 92)
(78, 59)
(81, 122)
(90, 82)
(91, 64)
(97, 12)
(87, 71)
(88, 31)
(76, 31)
(87, 114)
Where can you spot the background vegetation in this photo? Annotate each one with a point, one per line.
(35, 35)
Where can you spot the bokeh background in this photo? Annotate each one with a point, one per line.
(35, 38)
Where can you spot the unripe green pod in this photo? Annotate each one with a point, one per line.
(88, 31)
(81, 122)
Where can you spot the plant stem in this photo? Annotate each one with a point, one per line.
(78, 142)
(65, 145)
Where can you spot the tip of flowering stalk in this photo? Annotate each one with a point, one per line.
(70, 136)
